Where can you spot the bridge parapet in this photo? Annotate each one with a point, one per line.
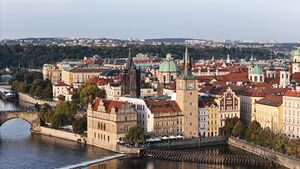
(31, 117)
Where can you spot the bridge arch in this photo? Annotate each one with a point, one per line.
(31, 117)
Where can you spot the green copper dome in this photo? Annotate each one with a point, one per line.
(256, 70)
(169, 65)
(296, 52)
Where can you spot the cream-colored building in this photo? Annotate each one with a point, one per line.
(187, 99)
(269, 112)
(291, 114)
(79, 75)
(113, 92)
(52, 72)
(108, 122)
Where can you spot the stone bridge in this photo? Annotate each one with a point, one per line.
(31, 117)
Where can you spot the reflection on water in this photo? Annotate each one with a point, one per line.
(21, 149)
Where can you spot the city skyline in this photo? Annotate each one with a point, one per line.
(211, 20)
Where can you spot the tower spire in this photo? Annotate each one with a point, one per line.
(129, 63)
(187, 66)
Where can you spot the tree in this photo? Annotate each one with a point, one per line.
(88, 92)
(239, 129)
(229, 125)
(135, 135)
(38, 91)
(43, 113)
(80, 125)
(59, 120)
(68, 109)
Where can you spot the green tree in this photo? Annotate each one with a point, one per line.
(135, 135)
(60, 120)
(80, 125)
(239, 129)
(229, 125)
(38, 91)
(88, 92)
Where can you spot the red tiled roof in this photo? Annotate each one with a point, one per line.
(162, 106)
(292, 94)
(271, 100)
(108, 104)
(58, 84)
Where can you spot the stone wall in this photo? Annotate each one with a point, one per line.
(27, 98)
(284, 160)
(62, 134)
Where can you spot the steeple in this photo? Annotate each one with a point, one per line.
(129, 63)
(187, 74)
(228, 59)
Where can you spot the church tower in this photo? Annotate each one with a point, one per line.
(187, 98)
(285, 76)
(271, 72)
(130, 79)
(296, 61)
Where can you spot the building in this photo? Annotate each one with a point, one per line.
(168, 70)
(296, 61)
(229, 107)
(285, 76)
(59, 89)
(256, 74)
(291, 114)
(168, 118)
(204, 104)
(269, 112)
(78, 76)
(187, 98)
(213, 120)
(108, 122)
(52, 72)
(113, 91)
(131, 79)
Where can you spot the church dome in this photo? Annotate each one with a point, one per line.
(169, 65)
(256, 70)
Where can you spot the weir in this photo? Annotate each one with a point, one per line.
(210, 158)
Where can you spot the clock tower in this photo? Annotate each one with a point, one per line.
(187, 98)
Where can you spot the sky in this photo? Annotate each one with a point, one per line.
(204, 19)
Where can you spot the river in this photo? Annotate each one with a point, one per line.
(19, 149)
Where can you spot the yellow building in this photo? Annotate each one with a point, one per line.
(213, 120)
(79, 75)
(269, 112)
(168, 118)
(108, 122)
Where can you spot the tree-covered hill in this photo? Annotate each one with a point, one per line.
(35, 56)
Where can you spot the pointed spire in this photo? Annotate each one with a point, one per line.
(187, 66)
(186, 61)
(129, 63)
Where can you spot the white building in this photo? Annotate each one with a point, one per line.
(145, 118)
(291, 114)
(59, 89)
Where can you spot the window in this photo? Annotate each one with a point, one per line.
(108, 138)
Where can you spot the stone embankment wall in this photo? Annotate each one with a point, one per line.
(284, 160)
(27, 98)
(62, 134)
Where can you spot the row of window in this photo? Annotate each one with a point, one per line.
(101, 137)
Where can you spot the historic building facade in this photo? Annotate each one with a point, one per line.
(187, 98)
(108, 122)
(291, 114)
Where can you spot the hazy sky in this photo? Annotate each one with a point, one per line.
(207, 19)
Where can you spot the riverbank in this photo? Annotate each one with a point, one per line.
(62, 134)
(283, 160)
(26, 98)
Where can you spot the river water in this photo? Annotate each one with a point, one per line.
(19, 149)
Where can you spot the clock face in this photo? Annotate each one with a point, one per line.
(190, 86)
